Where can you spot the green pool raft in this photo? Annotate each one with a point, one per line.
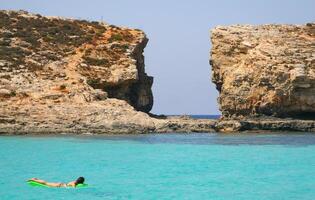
(36, 184)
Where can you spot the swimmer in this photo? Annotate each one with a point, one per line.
(79, 180)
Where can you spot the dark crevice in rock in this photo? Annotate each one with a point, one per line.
(138, 92)
(303, 116)
(141, 96)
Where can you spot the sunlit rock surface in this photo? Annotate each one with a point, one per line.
(74, 76)
(266, 70)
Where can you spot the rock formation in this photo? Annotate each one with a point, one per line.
(74, 76)
(266, 70)
(63, 60)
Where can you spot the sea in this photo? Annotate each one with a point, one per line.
(202, 116)
(270, 166)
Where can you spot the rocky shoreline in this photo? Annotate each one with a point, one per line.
(68, 76)
(263, 125)
(265, 76)
(175, 124)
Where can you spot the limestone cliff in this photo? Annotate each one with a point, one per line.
(74, 76)
(63, 75)
(50, 59)
(264, 70)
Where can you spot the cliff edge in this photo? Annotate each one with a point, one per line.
(265, 76)
(75, 76)
(63, 60)
(63, 75)
(266, 70)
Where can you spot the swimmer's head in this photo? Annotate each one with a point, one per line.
(80, 180)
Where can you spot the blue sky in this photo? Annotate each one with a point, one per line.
(177, 54)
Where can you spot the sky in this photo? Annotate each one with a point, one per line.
(178, 52)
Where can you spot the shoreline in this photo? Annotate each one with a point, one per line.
(177, 125)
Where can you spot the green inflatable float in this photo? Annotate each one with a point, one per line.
(36, 184)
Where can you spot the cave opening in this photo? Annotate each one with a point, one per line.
(124, 92)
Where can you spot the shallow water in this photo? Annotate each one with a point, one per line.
(169, 166)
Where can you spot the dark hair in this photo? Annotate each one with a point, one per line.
(80, 180)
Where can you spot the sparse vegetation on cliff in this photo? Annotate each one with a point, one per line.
(115, 37)
(93, 82)
(54, 73)
(34, 34)
(96, 61)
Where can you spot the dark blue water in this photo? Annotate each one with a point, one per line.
(205, 116)
(202, 116)
(161, 166)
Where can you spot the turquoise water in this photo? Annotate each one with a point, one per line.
(173, 166)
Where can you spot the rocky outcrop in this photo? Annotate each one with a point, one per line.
(64, 75)
(111, 116)
(266, 70)
(49, 60)
(108, 117)
(265, 124)
(74, 76)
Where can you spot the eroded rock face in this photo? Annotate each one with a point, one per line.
(265, 70)
(71, 76)
(60, 60)
(74, 76)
